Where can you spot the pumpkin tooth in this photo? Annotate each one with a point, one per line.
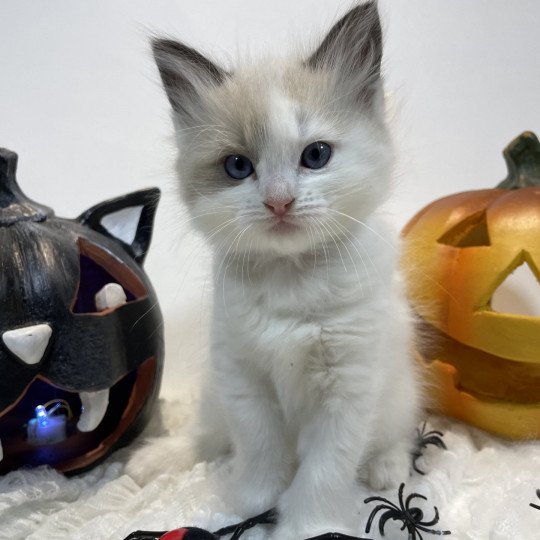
(94, 407)
(28, 343)
(110, 296)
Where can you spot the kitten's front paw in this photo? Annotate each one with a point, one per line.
(390, 468)
(250, 497)
(166, 455)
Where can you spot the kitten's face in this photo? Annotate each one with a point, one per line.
(274, 157)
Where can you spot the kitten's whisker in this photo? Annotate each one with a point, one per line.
(197, 127)
(220, 248)
(198, 216)
(332, 236)
(365, 225)
(216, 230)
(239, 235)
(243, 262)
(236, 243)
(248, 259)
(151, 308)
(323, 245)
(217, 251)
(366, 253)
(353, 241)
(313, 247)
(345, 233)
(192, 258)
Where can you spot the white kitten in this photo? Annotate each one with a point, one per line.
(283, 166)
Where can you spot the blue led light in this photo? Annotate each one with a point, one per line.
(46, 427)
(42, 415)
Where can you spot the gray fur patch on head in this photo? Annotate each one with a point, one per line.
(184, 73)
(353, 49)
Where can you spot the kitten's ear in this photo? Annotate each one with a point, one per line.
(129, 220)
(184, 73)
(353, 49)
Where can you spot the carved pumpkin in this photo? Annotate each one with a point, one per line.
(485, 365)
(81, 345)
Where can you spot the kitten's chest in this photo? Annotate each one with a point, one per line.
(273, 326)
(273, 320)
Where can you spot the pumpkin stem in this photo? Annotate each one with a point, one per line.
(8, 166)
(15, 206)
(522, 157)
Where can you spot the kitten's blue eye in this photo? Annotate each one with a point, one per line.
(238, 167)
(316, 155)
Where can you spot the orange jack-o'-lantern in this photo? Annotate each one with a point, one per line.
(485, 365)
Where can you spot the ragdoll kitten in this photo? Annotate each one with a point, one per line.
(283, 166)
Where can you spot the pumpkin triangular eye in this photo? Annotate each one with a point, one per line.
(515, 294)
(471, 232)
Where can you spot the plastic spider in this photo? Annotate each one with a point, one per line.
(237, 530)
(423, 440)
(410, 516)
(535, 505)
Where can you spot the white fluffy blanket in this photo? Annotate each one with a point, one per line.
(481, 486)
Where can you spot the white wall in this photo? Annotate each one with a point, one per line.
(81, 104)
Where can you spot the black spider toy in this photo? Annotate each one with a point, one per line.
(423, 440)
(410, 516)
(535, 505)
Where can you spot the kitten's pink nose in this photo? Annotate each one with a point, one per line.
(279, 206)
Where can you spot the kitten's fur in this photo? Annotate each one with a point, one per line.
(311, 369)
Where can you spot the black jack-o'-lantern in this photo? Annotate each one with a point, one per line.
(81, 341)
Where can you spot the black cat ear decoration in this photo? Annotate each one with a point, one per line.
(128, 219)
(81, 339)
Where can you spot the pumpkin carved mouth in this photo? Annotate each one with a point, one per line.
(77, 449)
(483, 375)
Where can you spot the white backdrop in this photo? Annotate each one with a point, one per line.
(81, 103)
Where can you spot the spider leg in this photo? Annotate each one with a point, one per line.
(374, 513)
(435, 441)
(381, 499)
(145, 535)
(400, 495)
(390, 514)
(336, 536)
(413, 496)
(435, 520)
(270, 516)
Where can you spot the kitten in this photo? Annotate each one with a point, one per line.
(283, 166)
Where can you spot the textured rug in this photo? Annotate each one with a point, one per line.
(483, 489)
